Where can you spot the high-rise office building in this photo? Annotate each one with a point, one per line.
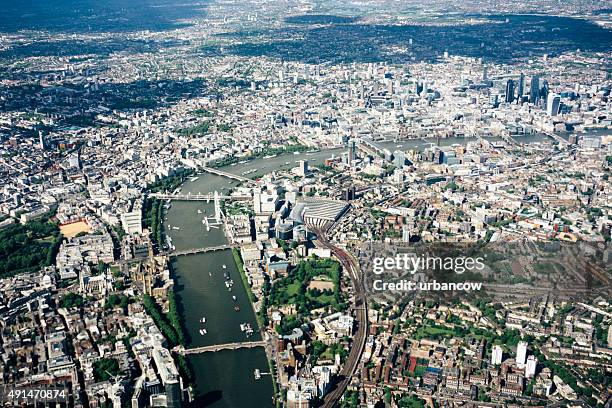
(399, 158)
(348, 194)
(405, 233)
(302, 168)
(497, 355)
(510, 91)
(169, 376)
(521, 353)
(352, 150)
(530, 368)
(553, 104)
(494, 99)
(264, 202)
(544, 93)
(573, 139)
(419, 87)
(521, 87)
(344, 156)
(534, 92)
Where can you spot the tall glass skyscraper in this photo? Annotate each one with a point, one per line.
(521, 86)
(535, 89)
(510, 91)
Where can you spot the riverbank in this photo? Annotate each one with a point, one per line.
(170, 326)
(260, 321)
(264, 153)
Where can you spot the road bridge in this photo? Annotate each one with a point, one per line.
(509, 139)
(191, 251)
(557, 138)
(225, 174)
(194, 251)
(219, 347)
(199, 197)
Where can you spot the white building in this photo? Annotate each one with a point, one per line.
(73, 161)
(553, 104)
(301, 392)
(405, 233)
(530, 368)
(302, 168)
(264, 203)
(132, 222)
(521, 354)
(497, 355)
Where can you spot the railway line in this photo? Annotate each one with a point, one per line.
(349, 263)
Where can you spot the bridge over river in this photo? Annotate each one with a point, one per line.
(225, 174)
(219, 347)
(191, 251)
(200, 197)
(194, 251)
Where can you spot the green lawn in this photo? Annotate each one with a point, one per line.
(323, 298)
(328, 354)
(436, 330)
(293, 289)
(419, 370)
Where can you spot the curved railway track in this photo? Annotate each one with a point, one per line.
(349, 263)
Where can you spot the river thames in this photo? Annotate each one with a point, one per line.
(226, 378)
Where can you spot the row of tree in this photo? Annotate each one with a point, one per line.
(174, 317)
(167, 329)
(153, 212)
(172, 329)
(171, 182)
(268, 151)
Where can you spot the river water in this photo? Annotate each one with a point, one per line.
(226, 378)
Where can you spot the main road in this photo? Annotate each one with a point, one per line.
(349, 264)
